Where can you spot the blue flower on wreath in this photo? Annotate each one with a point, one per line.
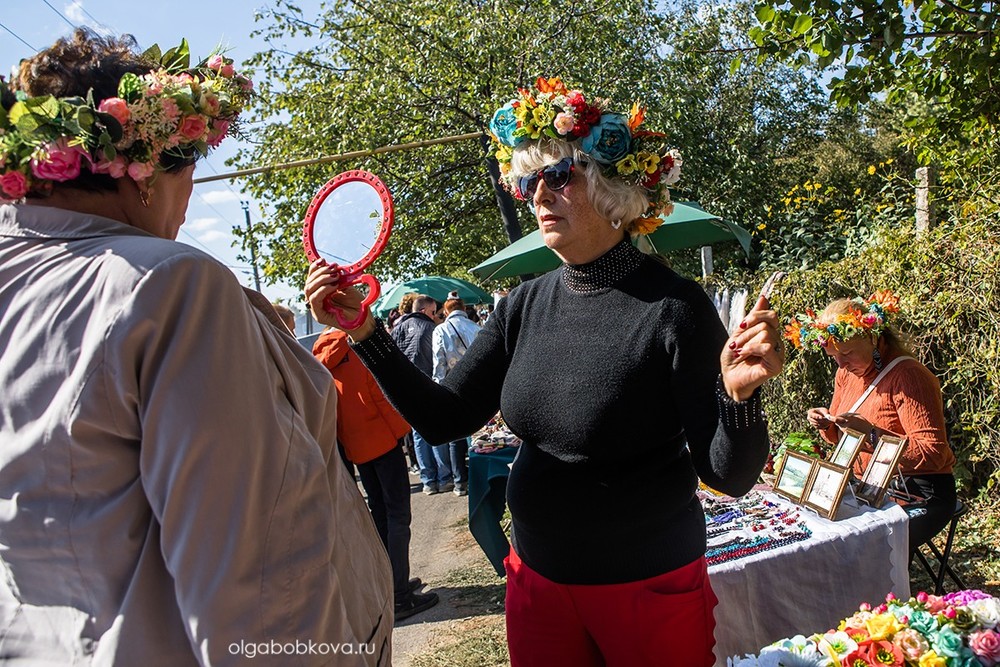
(503, 125)
(609, 140)
(923, 622)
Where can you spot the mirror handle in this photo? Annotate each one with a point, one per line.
(374, 291)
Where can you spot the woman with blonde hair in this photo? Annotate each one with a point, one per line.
(619, 378)
(880, 389)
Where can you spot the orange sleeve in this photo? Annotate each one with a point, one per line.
(917, 398)
(831, 433)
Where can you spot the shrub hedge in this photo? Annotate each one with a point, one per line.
(949, 287)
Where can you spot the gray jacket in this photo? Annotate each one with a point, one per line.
(169, 490)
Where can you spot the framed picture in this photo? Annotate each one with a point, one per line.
(826, 488)
(848, 448)
(881, 467)
(793, 475)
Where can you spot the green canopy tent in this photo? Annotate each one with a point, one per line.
(436, 287)
(688, 226)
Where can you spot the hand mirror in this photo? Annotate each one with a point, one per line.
(348, 223)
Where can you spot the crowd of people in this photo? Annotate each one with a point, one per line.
(177, 475)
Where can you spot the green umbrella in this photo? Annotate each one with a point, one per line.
(436, 287)
(688, 226)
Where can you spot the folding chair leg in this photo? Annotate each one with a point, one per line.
(924, 562)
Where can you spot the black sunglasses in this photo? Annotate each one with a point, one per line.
(556, 176)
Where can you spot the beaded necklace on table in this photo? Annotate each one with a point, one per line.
(770, 526)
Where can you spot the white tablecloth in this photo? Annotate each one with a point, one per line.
(810, 586)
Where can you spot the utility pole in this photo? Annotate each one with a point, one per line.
(253, 245)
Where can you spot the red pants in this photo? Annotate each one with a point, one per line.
(663, 621)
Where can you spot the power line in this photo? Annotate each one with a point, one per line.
(207, 249)
(71, 24)
(91, 17)
(18, 37)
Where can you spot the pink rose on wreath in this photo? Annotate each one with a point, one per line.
(218, 133)
(215, 62)
(140, 170)
(210, 104)
(57, 162)
(170, 109)
(986, 645)
(911, 643)
(227, 70)
(14, 184)
(115, 168)
(564, 122)
(116, 107)
(193, 127)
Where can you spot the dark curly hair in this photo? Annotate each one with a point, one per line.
(87, 63)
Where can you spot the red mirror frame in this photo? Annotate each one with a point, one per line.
(317, 201)
(353, 273)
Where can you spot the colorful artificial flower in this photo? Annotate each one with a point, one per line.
(919, 632)
(866, 317)
(553, 111)
(176, 110)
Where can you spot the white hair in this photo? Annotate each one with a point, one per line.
(610, 197)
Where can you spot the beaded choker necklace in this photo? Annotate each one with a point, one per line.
(604, 271)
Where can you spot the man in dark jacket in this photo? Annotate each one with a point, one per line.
(414, 335)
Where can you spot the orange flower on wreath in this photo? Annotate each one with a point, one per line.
(635, 117)
(793, 333)
(886, 299)
(645, 226)
(553, 85)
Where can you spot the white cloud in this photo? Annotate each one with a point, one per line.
(219, 196)
(200, 224)
(213, 235)
(74, 12)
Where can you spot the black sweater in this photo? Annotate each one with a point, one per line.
(605, 385)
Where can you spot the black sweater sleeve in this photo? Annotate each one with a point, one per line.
(457, 407)
(728, 439)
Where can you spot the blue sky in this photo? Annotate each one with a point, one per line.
(215, 207)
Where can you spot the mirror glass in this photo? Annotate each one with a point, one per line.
(347, 223)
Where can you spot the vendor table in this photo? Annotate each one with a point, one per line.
(487, 500)
(767, 596)
(811, 585)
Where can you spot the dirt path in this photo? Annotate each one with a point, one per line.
(446, 557)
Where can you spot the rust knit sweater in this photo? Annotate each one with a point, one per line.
(906, 402)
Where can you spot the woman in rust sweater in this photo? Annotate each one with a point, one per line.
(905, 402)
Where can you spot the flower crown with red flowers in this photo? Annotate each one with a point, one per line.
(866, 317)
(551, 110)
(175, 110)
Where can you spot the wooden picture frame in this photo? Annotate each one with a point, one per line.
(880, 470)
(826, 488)
(848, 448)
(793, 475)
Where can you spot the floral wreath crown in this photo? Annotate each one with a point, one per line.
(614, 141)
(175, 110)
(866, 317)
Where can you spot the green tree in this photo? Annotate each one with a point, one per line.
(390, 73)
(936, 57)
(393, 73)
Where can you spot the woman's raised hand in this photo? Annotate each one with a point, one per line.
(324, 293)
(754, 353)
(819, 418)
